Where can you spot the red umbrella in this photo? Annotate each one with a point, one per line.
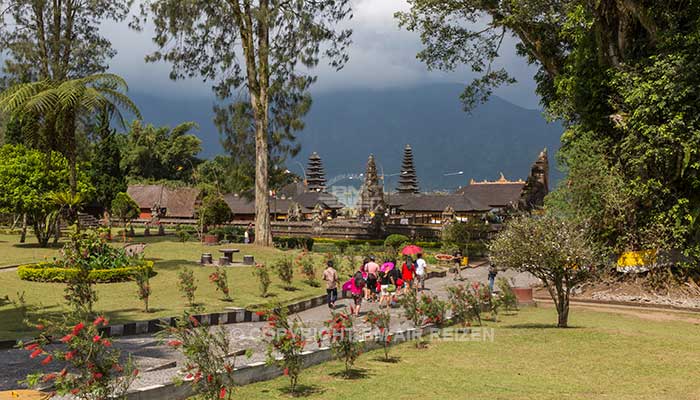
(411, 250)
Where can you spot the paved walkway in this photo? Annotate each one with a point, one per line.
(155, 360)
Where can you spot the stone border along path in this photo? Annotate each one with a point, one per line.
(156, 378)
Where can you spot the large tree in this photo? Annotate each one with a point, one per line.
(152, 153)
(33, 183)
(56, 40)
(621, 76)
(255, 44)
(57, 109)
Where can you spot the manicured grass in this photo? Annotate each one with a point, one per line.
(604, 356)
(120, 303)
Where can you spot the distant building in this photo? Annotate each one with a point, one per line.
(165, 202)
(429, 208)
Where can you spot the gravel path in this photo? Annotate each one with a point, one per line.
(155, 360)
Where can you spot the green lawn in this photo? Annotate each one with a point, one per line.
(118, 300)
(604, 356)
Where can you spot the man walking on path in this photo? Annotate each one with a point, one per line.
(493, 271)
(457, 257)
(421, 267)
(330, 275)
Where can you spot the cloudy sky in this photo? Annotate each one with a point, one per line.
(381, 55)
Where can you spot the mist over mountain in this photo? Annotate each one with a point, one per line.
(344, 127)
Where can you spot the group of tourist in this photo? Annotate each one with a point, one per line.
(377, 283)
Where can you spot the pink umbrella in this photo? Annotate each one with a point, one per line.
(411, 250)
(387, 266)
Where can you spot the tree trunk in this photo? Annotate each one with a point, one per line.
(563, 310)
(260, 102)
(23, 233)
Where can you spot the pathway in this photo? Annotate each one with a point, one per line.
(155, 360)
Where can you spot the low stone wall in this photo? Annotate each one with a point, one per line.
(258, 372)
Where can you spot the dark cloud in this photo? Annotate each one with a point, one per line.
(382, 55)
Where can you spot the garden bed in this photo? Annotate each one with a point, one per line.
(50, 272)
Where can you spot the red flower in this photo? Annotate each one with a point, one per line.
(194, 321)
(79, 327)
(69, 355)
(118, 368)
(174, 343)
(210, 378)
(97, 375)
(222, 393)
(96, 338)
(188, 376)
(136, 372)
(286, 371)
(98, 320)
(228, 368)
(47, 360)
(67, 338)
(49, 377)
(106, 343)
(64, 372)
(31, 346)
(260, 313)
(40, 327)
(389, 338)
(36, 353)
(75, 391)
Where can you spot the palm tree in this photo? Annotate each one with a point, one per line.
(52, 111)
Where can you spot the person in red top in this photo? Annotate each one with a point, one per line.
(407, 271)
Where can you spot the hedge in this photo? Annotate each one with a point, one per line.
(293, 243)
(49, 272)
(352, 242)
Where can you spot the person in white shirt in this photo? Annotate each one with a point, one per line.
(420, 272)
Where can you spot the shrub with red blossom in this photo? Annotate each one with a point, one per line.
(284, 337)
(380, 322)
(220, 280)
(209, 366)
(341, 333)
(92, 369)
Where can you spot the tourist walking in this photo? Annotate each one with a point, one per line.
(330, 275)
(457, 258)
(493, 271)
(407, 272)
(387, 286)
(421, 271)
(372, 269)
(357, 285)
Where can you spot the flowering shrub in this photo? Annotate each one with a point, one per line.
(433, 309)
(506, 297)
(208, 369)
(260, 271)
(187, 285)
(220, 280)
(96, 370)
(380, 321)
(285, 271)
(80, 293)
(284, 337)
(341, 334)
(142, 279)
(307, 267)
(467, 303)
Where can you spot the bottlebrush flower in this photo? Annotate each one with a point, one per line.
(74, 391)
(106, 343)
(67, 338)
(97, 375)
(49, 377)
(69, 355)
(174, 343)
(79, 327)
(96, 338)
(47, 360)
(40, 327)
(36, 353)
(98, 321)
(194, 321)
(31, 347)
(286, 372)
(222, 393)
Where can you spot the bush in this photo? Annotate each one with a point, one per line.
(215, 211)
(50, 272)
(342, 245)
(220, 279)
(125, 208)
(185, 232)
(260, 271)
(395, 241)
(232, 234)
(307, 267)
(340, 331)
(293, 243)
(285, 271)
(433, 309)
(506, 297)
(187, 285)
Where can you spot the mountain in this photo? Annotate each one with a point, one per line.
(344, 127)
